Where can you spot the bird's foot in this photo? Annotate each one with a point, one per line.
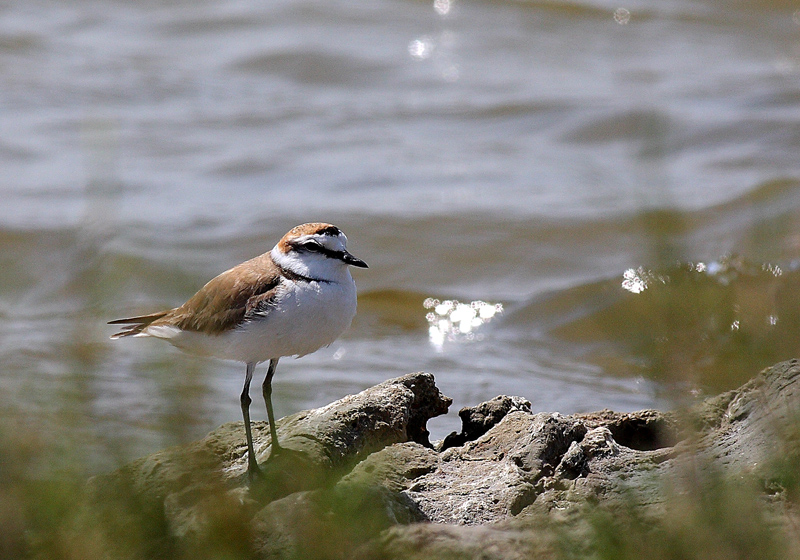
(254, 472)
(275, 450)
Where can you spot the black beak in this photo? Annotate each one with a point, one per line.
(353, 261)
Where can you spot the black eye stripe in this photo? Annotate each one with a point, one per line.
(314, 247)
(330, 253)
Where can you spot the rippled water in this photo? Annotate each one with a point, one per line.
(532, 156)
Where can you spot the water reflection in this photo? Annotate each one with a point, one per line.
(442, 7)
(452, 320)
(696, 326)
(638, 280)
(622, 16)
(421, 48)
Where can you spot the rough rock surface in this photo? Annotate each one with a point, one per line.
(189, 482)
(368, 457)
(555, 465)
(477, 420)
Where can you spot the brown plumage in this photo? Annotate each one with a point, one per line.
(222, 304)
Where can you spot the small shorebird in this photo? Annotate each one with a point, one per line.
(291, 301)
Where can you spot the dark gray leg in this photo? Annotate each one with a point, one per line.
(252, 465)
(267, 390)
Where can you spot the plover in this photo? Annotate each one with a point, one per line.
(290, 301)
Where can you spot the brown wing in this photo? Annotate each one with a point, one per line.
(222, 303)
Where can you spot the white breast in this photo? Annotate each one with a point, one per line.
(303, 319)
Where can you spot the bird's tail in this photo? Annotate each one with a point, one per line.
(136, 325)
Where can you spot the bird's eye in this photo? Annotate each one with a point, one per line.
(310, 246)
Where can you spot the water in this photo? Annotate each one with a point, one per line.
(525, 154)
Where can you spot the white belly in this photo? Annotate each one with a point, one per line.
(305, 318)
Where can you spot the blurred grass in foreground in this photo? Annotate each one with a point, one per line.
(48, 511)
(715, 518)
(707, 514)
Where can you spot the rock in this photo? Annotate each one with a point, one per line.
(531, 470)
(477, 420)
(328, 522)
(371, 491)
(497, 474)
(319, 447)
(360, 478)
(394, 467)
(424, 541)
(743, 425)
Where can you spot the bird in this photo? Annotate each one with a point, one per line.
(290, 301)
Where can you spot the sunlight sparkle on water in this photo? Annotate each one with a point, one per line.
(442, 7)
(637, 280)
(622, 16)
(774, 269)
(453, 320)
(754, 286)
(421, 48)
(634, 280)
